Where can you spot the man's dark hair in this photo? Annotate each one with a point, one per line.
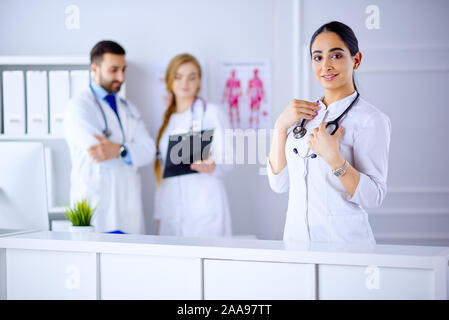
(102, 47)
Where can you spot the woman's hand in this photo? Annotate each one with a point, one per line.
(204, 166)
(326, 146)
(296, 110)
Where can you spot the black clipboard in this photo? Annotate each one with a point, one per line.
(184, 149)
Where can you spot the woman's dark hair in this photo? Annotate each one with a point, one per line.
(346, 35)
(102, 47)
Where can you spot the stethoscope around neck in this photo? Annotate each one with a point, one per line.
(195, 125)
(107, 131)
(300, 131)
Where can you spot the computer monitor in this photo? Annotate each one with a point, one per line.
(23, 187)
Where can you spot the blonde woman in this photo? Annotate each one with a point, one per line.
(191, 204)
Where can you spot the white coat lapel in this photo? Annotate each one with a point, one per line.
(123, 114)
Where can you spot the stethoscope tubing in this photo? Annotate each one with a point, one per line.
(300, 131)
(107, 132)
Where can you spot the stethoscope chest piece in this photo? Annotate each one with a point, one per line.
(107, 133)
(299, 132)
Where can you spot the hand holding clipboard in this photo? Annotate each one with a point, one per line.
(204, 166)
(189, 153)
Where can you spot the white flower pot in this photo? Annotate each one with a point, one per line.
(83, 229)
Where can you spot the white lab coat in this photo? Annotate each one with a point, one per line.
(319, 208)
(112, 185)
(195, 204)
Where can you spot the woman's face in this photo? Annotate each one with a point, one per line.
(187, 81)
(332, 62)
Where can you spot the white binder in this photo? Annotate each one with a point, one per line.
(37, 103)
(59, 97)
(13, 103)
(79, 80)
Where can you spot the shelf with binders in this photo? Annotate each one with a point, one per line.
(34, 92)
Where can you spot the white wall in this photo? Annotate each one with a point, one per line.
(403, 73)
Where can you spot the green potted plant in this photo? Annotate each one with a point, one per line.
(80, 214)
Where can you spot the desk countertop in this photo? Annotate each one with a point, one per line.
(231, 249)
(11, 232)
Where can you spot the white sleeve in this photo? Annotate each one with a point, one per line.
(80, 125)
(371, 150)
(279, 183)
(142, 148)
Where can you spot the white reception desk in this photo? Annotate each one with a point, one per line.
(60, 265)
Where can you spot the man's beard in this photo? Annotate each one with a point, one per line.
(109, 86)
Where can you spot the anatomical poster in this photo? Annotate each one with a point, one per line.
(244, 91)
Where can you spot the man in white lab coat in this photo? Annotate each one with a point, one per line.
(108, 142)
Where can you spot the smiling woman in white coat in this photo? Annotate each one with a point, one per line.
(108, 142)
(332, 172)
(193, 204)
